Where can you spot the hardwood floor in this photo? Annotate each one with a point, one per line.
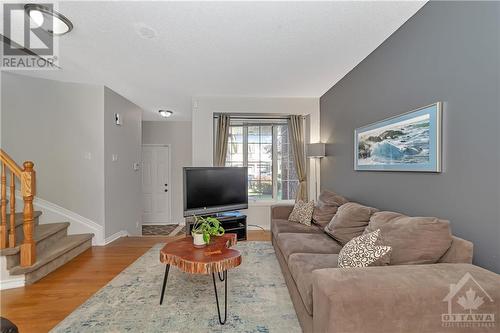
(39, 307)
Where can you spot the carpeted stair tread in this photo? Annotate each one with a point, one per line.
(20, 218)
(42, 231)
(63, 246)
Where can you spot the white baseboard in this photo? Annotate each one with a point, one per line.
(12, 283)
(115, 236)
(8, 281)
(78, 224)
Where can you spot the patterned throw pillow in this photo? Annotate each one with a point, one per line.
(364, 251)
(302, 212)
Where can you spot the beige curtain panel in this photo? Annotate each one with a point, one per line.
(296, 130)
(221, 136)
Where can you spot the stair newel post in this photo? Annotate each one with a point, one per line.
(12, 229)
(3, 204)
(28, 249)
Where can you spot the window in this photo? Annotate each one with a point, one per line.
(265, 149)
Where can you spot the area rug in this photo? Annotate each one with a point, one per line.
(258, 299)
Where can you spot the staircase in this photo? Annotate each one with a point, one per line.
(27, 248)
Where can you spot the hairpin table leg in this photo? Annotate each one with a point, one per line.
(224, 274)
(164, 283)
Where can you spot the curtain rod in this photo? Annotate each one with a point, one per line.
(254, 115)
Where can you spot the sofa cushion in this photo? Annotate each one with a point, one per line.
(280, 226)
(350, 221)
(365, 250)
(414, 240)
(306, 243)
(302, 212)
(301, 266)
(326, 207)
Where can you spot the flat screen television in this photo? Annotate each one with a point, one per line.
(209, 190)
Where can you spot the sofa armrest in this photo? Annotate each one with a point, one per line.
(394, 298)
(281, 211)
(460, 251)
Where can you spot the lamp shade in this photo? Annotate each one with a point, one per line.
(316, 150)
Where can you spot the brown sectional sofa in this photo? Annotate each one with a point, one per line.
(398, 298)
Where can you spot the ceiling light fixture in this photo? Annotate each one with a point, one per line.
(166, 113)
(43, 16)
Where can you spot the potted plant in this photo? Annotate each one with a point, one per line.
(204, 228)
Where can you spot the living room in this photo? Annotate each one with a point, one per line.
(237, 166)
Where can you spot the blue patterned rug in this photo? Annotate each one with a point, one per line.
(258, 300)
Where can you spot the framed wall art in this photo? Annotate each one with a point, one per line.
(407, 142)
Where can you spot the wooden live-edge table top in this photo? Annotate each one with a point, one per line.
(217, 256)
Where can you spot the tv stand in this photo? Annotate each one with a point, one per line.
(232, 222)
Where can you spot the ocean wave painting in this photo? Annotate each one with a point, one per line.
(409, 142)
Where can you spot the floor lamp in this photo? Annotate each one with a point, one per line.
(316, 151)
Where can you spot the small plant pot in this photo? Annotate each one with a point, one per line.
(198, 240)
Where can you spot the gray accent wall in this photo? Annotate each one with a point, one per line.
(448, 51)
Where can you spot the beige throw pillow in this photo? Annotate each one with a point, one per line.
(414, 240)
(350, 221)
(364, 251)
(326, 207)
(302, 212)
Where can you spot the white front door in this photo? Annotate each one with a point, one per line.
(155, 184)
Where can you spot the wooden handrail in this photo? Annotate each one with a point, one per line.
(5, 158)
(27, 177)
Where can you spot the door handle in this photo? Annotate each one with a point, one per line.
(166, 190)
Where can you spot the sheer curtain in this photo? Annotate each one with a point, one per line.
(296, 130)
(221, 136)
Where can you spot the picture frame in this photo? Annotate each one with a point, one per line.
(407, 142)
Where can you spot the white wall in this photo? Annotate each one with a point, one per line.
(68, 131)
(58, 125)
(202, 132)
(122, 182)
(178, 135)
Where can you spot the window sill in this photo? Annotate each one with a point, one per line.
(268, 203)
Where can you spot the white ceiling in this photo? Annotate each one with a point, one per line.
(292, 49)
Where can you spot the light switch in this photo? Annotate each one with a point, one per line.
(87, 155)
(114, 157)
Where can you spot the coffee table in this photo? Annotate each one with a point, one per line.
(216, 257)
